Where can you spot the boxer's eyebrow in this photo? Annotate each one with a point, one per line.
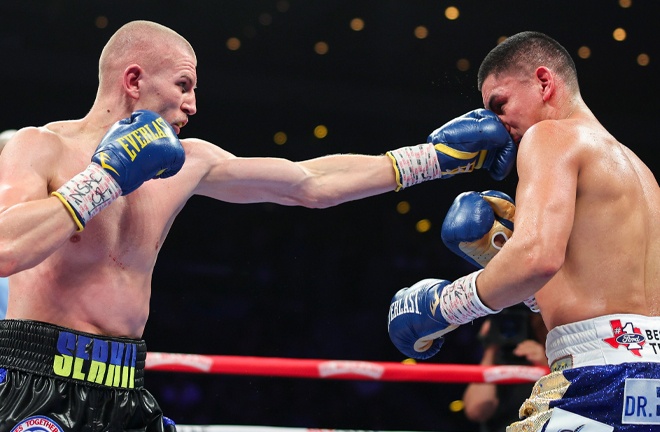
(494, 103)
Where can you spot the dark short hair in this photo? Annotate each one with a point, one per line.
(528, 50)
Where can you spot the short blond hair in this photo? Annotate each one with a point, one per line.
(139, 42)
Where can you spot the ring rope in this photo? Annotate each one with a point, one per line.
(342, 369)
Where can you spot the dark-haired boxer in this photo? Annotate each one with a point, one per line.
(586, 245)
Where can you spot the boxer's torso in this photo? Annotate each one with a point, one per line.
(99, 280)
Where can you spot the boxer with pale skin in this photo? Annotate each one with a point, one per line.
(85, 206)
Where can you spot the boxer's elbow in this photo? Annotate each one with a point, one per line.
(544, 262)
(319, 196)
(15, 257)
(318, 201)
(8, 262)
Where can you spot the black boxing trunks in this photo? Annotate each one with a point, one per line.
(54, 379)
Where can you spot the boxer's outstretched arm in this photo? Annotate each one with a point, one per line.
(472, 141)
(315, 183)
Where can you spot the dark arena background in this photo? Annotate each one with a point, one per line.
(299, 79)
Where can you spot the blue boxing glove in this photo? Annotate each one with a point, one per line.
(139, 148)
(472, 141)
(415, 323)
(135, 149)
(478, 224)
(421, 315)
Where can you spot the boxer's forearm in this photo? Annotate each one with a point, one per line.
(336, 179)
(30, 232)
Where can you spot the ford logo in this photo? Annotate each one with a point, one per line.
(630, 338)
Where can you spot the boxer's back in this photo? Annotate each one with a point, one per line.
(651, 250)
(612, 260)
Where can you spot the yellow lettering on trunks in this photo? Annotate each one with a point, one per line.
(62, 365)
(77, 369)
(111, 379)
(96, 372)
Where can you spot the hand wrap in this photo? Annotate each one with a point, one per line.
(87, 193)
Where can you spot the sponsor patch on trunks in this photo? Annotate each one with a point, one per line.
(566, 421)
(37, 424)
(641, 401)
(627, 336)
(562, 363)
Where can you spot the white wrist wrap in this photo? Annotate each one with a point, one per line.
(87, 193)
(414, 164)
(460, 303)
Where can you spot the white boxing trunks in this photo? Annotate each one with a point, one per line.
(605, 377)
